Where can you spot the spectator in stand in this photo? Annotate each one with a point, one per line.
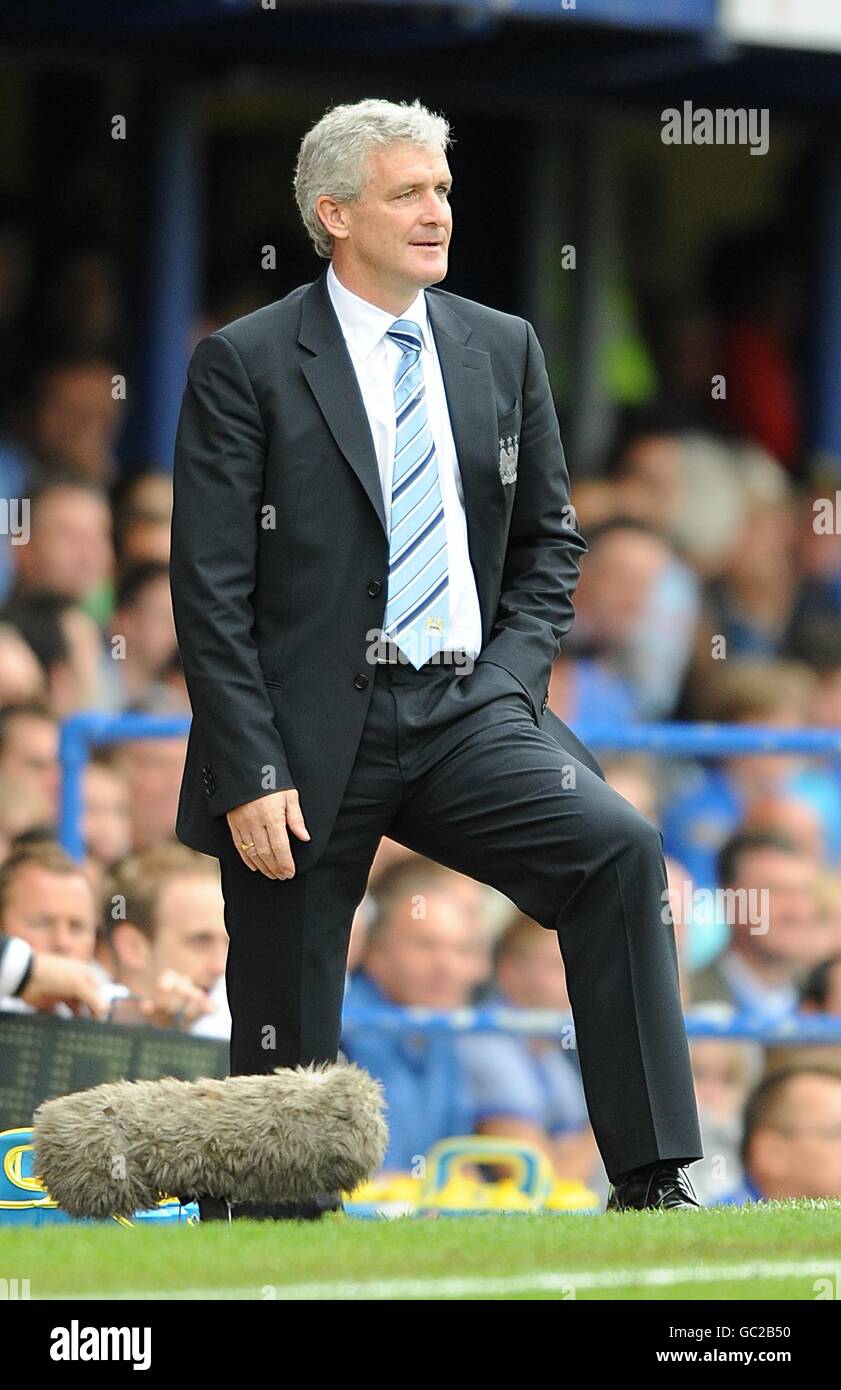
(41, 980)
(358, 943)
(21, 675)
(696, 488)
(636, 607)
(47, 899)
(73, 418)
(23, 808)
(390, 852)
(69, 549)
(748, 606)
(725, 1073)
(791, 1144)
(142, 639)
(817, 641)
(776, 933)
(816, 615)
(729, 510)
(420, 951)
(165, 930)
(829, 908)
(142, 505)
(153, 767)
(636, 777)
(820, 994)
(68, 645)
(29, 752)
(792, 816)
(175, 694)
(106, 827)
(392, 877)
(711, 802)
(530, 1088)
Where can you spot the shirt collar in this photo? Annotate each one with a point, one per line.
(751, 993)
(364, 324)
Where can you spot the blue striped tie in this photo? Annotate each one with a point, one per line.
(417, 607)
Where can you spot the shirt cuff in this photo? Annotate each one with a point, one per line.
(14, 965)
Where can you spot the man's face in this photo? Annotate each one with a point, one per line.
(652, 478)
(396, 237)
(30, 756)
(427, 959)
(70, 544)
(190, 934)
(154, 768)
(533, 976)
(799, 1154)
(107, 818)
(77, 418)
(148, 625)
(793, 933)
(618, 581)
(53, 912)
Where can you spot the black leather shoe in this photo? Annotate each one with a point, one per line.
(666, 1188)
(213, 1209)
(218, 1209)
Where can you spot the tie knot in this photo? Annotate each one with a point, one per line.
(407, 333)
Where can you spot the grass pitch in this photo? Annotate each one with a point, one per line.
(782, 1250)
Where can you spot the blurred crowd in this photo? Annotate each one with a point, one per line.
(709, 592)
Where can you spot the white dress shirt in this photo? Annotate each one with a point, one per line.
(375, 359)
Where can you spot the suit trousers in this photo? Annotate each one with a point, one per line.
(453, 764)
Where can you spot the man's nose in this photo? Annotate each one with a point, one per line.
(432, 209)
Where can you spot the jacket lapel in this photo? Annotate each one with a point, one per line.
(468, 385)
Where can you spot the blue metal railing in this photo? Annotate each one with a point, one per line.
(81, 731)
(79, 734)
(545, 1023)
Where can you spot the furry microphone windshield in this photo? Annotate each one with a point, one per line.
(286, 1136)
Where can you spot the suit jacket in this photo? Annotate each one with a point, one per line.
(280, 552)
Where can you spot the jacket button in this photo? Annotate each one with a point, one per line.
(545, 704)
(374, 588)
(360, 681)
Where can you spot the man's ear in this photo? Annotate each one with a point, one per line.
(331, 215)
(130, 945)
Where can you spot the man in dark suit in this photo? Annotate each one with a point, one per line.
(373, 564)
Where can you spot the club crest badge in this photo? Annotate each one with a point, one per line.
(509, 447)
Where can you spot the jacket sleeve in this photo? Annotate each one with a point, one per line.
(218, 474)
(542, 561)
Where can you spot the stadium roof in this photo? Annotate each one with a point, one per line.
(653, 51)
(53, 17)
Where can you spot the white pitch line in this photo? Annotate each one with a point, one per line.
(539, 1282)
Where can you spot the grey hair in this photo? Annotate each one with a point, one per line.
(334, 153)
